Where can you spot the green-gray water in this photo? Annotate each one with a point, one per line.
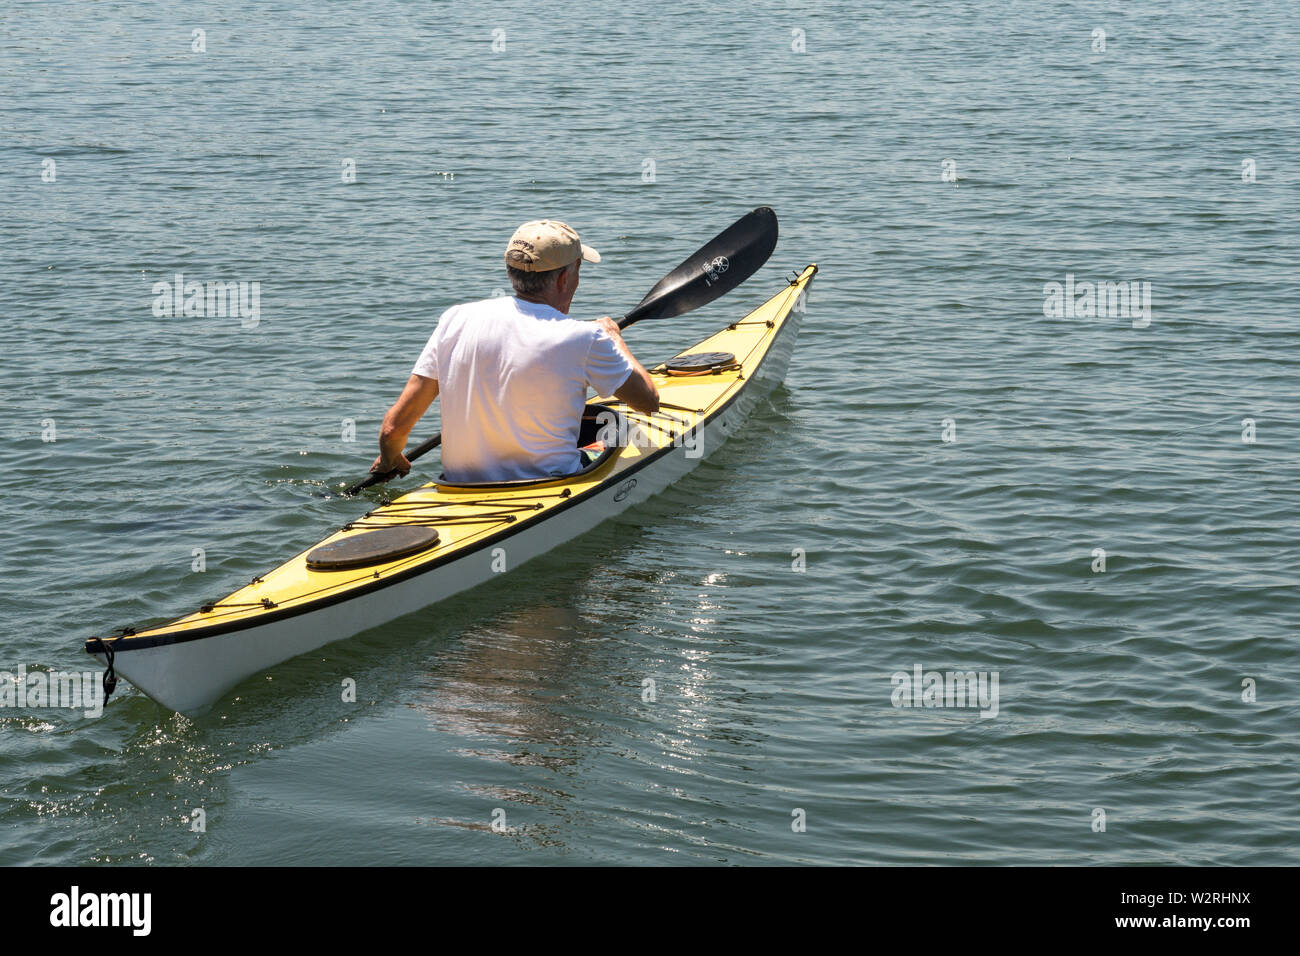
(1161, 151)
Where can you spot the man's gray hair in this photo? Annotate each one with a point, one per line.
(533, 283)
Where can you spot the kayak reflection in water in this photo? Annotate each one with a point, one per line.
(513, 372)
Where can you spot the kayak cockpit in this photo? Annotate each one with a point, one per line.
(600, 436)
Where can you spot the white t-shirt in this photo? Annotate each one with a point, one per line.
(512, 381)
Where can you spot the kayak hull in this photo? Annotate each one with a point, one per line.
(193, 662)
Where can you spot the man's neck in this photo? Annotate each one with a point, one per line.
(536, 301)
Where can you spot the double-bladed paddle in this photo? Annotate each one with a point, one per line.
(721, 264)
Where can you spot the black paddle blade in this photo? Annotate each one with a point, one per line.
(723, 263)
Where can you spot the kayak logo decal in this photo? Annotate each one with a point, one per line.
(714, 268)
(625, 489)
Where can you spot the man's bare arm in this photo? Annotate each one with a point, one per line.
(639, 390)
(414, 401)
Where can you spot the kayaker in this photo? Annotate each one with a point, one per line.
(513, 372)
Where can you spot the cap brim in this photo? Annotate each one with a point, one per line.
(589, 254)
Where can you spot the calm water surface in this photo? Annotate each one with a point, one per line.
(1119, 691)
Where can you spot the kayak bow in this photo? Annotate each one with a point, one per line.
(441, 538)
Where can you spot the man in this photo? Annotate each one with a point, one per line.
(513, 372)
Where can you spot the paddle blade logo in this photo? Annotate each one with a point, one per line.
(714, 268)
(625, 489)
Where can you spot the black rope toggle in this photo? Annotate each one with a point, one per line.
(110, 675)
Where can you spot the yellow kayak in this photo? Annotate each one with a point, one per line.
(441, 539)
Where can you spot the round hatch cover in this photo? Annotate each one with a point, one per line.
(700, 363)
(372, 547)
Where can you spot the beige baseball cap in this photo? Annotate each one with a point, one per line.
(546, 244)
